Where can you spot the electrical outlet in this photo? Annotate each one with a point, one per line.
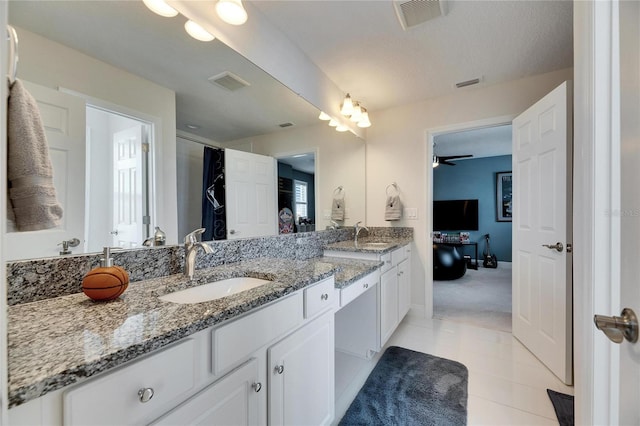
(411, 213)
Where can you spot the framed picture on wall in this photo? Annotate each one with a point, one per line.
(504, 203)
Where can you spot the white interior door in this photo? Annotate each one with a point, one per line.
(542, 283)
(250, 194)
(128, 209)
(63, 117)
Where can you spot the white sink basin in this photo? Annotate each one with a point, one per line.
(214, 290)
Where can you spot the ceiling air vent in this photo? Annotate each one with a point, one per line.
(415, 12)
(283, 125)
(228, 81)
(466, 83)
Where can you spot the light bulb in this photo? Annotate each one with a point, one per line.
(197, 32)
(341, 128)
(324, 116)
(357, 113)
(333, 123)
(161, 8)
(231, 11)
(347, 106)
(435, 163)
(364, 121)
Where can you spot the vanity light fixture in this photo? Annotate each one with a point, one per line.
(324, 116)
(364, 120)
(435, 163)
(333, 123)
(341, 128)
(347, 106)
(231, 11)
(197, 32)
(161, 8)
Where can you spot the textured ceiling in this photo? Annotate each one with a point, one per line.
(361, 46)
(486, 142)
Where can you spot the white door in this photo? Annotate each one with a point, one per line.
(128, 209)
(250, 194)
(63, 117)
(620, 364)
(542, 283)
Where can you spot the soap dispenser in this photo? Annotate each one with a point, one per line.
(159, 237)
(106, 282)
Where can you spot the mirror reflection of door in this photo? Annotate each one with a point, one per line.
(118, 213)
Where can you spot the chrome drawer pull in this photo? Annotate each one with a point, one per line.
(257, 386)
(324, 296)
(279, 369)
(145, 394)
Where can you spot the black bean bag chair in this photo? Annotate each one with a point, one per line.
(448, 263)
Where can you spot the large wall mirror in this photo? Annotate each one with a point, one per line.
(136, 80)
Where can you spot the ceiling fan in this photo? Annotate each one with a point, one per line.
(446, 159)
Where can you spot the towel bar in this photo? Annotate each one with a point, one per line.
(12, 37)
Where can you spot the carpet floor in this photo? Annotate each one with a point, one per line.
(481, 297)
(411, 388)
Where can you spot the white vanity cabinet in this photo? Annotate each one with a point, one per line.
(301, 382)
(223, 375)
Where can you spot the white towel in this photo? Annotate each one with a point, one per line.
(393, 208)
(337, 209)
(32, 195)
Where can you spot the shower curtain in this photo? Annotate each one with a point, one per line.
(214, 216)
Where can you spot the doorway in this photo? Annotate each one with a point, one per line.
(296, 192)
(118, 208)
(472, 281)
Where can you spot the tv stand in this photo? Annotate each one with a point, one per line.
(474, 263)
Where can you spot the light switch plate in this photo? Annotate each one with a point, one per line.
(411, 213)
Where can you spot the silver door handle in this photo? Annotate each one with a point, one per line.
(616, 328)
(557, 246)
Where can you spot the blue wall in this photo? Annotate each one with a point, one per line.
(476, 179)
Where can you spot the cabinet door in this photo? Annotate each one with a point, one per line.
(232, 400)
(388, 304)
(301, 368)
(404, 288)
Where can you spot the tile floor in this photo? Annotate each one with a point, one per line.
(507, 384)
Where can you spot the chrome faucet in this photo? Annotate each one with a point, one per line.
(359, 228)
(191, 244)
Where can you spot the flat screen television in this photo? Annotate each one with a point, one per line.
(455, 215)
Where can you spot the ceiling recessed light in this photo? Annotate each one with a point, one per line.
(192, 126)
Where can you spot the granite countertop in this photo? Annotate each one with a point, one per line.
(56, 342)
(370, 245)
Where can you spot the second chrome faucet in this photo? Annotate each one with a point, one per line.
(191, 244)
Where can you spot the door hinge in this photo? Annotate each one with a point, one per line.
(145, 147)
(569, 247)
(146, 220)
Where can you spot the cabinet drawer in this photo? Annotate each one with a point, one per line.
(354, 290)
(113, 398)
(386, 258)
(319, 297)
(232, 343)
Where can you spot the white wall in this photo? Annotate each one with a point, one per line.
(54, 65)
(397, 151)
(340, 161)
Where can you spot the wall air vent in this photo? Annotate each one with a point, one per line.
(415, 12)
(228, 81)
(283, 125)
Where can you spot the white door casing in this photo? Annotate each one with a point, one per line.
(63, 117)
(542, 276)
(250, 194)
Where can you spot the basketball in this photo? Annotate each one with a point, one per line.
(105, 283)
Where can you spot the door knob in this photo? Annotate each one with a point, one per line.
(557, 246)
(618, 328)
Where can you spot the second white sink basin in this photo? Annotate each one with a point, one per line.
(214, 290)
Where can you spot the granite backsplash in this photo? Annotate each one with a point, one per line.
(39, 279)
